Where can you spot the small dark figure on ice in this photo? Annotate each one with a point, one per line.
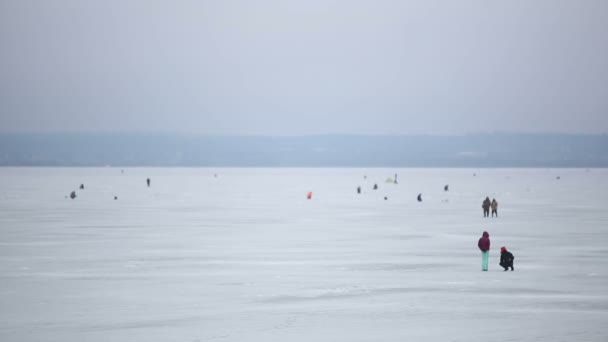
(446, 187)
(81, 186)
(148, 182)
(419, 198)
(73, 194)
(486, 207)
(358, 189)
(506, 259)
(494, 206)
(375, 186)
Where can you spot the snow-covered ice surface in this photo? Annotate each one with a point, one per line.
(246, 257)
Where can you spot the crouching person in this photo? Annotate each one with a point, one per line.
(506, 258)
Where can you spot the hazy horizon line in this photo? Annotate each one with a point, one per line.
(178, 133)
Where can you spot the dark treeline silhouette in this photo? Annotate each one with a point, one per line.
(505, 150)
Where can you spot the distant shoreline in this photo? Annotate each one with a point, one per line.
(498, 150)
(472, 168)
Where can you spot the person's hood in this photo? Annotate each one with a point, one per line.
(486, 235)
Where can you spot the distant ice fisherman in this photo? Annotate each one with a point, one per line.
(148, 182)
(419, 198)
(494, 206)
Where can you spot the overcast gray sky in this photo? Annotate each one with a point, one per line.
(304, 67)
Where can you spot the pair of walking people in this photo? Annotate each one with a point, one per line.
(506, 257)
(487, 204)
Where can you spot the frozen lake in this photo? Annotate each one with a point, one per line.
(244, 256)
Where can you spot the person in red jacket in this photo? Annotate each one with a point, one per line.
(484, 247)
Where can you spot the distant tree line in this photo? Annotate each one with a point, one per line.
(473, 150)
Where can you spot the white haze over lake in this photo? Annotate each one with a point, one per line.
(244, 256)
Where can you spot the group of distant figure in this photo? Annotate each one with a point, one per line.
(81, 187)
(486, 205)
(73, 193)
(389, 180)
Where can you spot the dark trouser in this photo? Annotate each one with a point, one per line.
(494, 211)
(486, 212)
(506, 265)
